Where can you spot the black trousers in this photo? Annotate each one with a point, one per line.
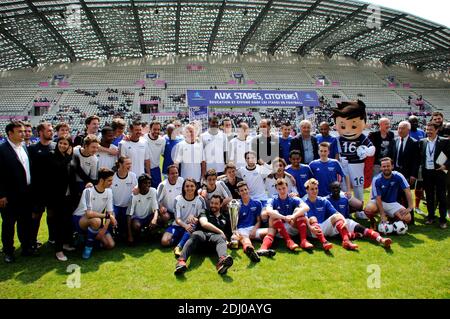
(435, 192)
(201, 237)
(12, 214)
(60, 221)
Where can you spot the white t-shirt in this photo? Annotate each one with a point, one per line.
(221, 189)
(185, 208)
(143, 205)
(122, 189)
(92, 200)
(107, 160)
(138, 152)
(214, 147)
(168, 192)
(237, 150)
(255, 180)
(271, 189)
(156, 148)
(190, 156)
(89, 164)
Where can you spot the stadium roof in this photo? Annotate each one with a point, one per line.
(40, 32)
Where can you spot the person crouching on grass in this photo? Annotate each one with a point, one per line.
(144, 209)
(95, 213)
(214, 230)
(188, 206)
(287, 217)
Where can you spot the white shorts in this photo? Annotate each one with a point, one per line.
(389, 208)
(329, 230)
(291, 230)
(356, 174)
(245, 232)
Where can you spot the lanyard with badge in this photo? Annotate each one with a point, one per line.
(430, 158)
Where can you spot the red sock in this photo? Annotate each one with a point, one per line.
(320, 235)
(279, 226)
(302, 228)
(342, 230)
(267, 242)
(371, 234)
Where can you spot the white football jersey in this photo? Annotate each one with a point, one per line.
(214, 147)
(168, 192)
(138, 152)
(89, 164)
(122, 189)
(143, 205)
(95, 201)
(255, 180)
(185, 208)
(107, 160)
(156, 148)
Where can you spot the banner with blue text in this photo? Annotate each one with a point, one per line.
(251, 98)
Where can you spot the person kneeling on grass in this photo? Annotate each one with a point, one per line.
(249, 222)
(95, 213)
(144, 209)
(325, 220)
(342, 204)
(287, 217)
(188, 207)
(215, 229)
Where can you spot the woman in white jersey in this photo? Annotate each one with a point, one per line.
(188, 207)
(124, 180)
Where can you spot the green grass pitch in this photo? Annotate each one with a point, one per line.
(417, 266)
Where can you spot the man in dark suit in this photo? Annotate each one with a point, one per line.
(404, 150)
(265, 144)
(433, 173)
(15, 195)
(305, 143)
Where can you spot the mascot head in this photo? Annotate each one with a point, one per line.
(350, 119)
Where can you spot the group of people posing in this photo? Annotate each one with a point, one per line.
(109, 186)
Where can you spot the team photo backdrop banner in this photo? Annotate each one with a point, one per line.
(256, 98)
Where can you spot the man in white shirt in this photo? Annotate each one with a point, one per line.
(168, 190)
(215, 146)
(254, 174)
(144, 209)
(434, 174)
(190, 156)
(135, 147)
(105, 158)
(15, 179)
(239, 146)
(95, 213)
(156, 145)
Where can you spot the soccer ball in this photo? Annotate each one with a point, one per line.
(361, 151)
(400, 227)
(385, 228)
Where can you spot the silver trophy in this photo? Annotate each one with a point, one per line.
(233, 210)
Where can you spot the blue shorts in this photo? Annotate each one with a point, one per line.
(143, 221)
(76, 224)
(155, 174)
(176, 231)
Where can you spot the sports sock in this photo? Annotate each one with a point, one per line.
(372, 234)
(319, 235)
(92, 233)
(279, 226)
(267, 242)
(302, 228)
(342, 229)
